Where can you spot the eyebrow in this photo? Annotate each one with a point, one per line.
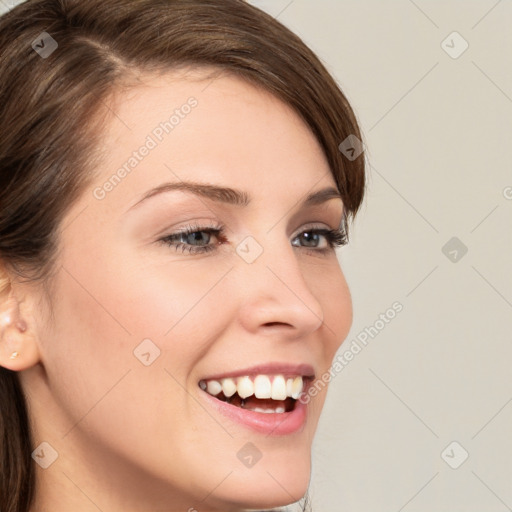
(230, 195)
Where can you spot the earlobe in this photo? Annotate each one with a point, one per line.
(18, 346)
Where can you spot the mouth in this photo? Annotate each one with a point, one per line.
(266, 402)
(268, 394)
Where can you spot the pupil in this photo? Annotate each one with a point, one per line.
(197, 236)
(310, 237)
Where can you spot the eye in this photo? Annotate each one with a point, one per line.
(195, 239)
(321, 239)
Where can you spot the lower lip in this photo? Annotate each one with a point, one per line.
(271, 424)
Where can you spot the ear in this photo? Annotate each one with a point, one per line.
(18, 345)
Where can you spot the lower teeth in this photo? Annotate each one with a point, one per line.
(250, 404)
(277, 410)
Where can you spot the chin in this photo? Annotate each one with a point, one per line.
(283, 478)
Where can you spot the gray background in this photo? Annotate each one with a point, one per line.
(437, 132)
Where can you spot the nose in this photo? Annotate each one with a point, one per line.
(276, 295)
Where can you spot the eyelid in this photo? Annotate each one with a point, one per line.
(207, 224)
(313, 225)
(197, 225)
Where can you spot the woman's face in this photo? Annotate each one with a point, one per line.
(142, 321)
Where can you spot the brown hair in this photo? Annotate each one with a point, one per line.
(50, 107)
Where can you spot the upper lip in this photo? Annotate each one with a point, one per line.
(302, 369)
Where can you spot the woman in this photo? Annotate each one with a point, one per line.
(172, 195)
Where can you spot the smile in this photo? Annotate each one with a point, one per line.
(262, 393)
(266, 402)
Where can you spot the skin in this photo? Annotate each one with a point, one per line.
(137, 438)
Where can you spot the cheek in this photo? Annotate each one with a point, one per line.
(112, 294)
(334, 296)
(172, 304)
(337, 306)
(97, 380)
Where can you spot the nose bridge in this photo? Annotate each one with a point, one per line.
(276, 291)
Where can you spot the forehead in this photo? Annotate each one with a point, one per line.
(215, 128)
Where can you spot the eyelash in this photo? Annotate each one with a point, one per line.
(335, 238)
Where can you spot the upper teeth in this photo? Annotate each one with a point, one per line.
(261, 386)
